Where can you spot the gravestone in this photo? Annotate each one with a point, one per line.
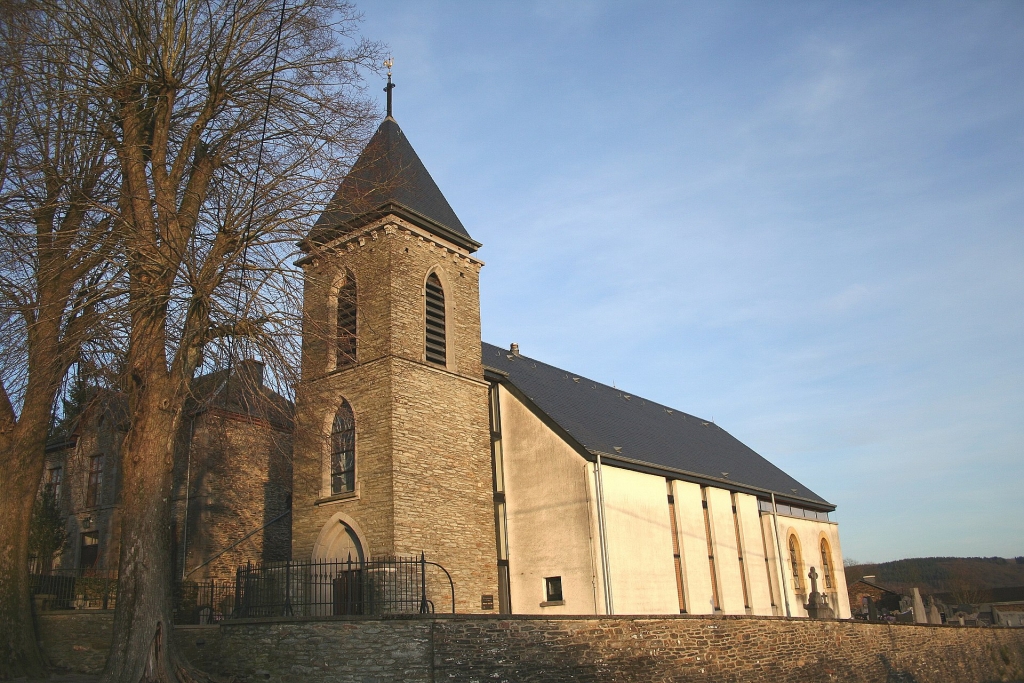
(817, 607)
(933, 612)
(920, 616)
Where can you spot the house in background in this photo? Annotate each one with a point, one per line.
(232, 479)
(866, 594)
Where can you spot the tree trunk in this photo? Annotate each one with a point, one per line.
(22, 450)
(143, 647)
(23, 454)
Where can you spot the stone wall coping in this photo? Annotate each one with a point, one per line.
(561, 617)
(66, 614)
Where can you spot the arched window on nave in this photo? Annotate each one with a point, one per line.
(794, 560)
(826, 563)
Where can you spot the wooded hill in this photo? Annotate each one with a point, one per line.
(943, 574)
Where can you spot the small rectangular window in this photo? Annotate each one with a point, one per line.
(553, 589)
(95, 483)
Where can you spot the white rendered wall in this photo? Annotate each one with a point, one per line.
(777, 567)
(753, 555)
(639, 531)
(548, 512)
(693, 547)
(723, 536)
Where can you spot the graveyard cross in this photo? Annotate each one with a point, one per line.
(813, 576)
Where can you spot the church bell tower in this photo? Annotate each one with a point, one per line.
(392, 443)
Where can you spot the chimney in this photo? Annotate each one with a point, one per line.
(514, 349)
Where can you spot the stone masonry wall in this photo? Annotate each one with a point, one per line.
(239, 478)
(483, 648)
(76, 640)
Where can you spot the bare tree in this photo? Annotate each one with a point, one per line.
(232, 122)
(57, 181)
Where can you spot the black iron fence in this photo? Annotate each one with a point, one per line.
(195, 602)
(74, 590)
(203, 602)
(391, 585)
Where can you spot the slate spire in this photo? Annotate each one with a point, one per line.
(388, 177)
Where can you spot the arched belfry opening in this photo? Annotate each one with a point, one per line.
(436, 337)
(345, 322)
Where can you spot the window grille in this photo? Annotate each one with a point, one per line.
(436, 345)
(95, 482)
(346, 347)
(343, 451)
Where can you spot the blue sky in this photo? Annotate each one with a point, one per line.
(805, 220)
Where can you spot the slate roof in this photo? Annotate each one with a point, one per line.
(642, 434)
(389, 177)
(241, 392)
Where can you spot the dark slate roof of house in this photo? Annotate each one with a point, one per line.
(873, 584)
(643, 434)
(243, 392)
(389, 177)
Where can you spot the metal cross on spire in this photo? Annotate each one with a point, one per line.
(388, 63)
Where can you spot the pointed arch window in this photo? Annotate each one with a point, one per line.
(794, 560)
(436, 334)
(343, 451)
(826, 563)
(346, 322)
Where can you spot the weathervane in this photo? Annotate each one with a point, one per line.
(388, 63)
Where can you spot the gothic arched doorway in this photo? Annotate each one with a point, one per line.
(340, 540)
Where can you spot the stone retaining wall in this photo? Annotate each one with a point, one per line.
(516, 649)
(76, 640)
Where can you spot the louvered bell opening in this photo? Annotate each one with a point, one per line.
(436, 349)
(346, 348)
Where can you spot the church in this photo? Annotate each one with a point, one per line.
(539, 490)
